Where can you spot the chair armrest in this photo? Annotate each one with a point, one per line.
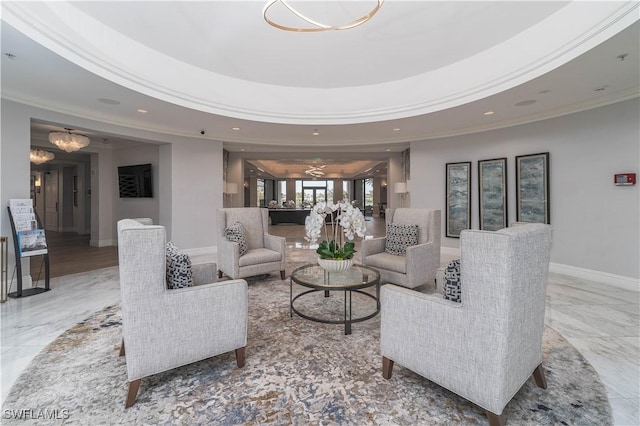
(423, 261)
(275, 243)
(228, 256)
(184, 325)
(406, 314)
(372, 246)
(204, 273)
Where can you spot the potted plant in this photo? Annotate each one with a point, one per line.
(332, 254)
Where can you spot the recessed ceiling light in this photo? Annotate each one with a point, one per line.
(235, 128)
(142, 111)
(600, 89)
(388, 149)
(489, 113)
(544, 92)
(242, 149)
(395, 129)
(10, 56)
(315, 132)
(108, 101)
(526, 102)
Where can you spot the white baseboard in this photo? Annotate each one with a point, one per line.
(450, 251)
(627, 283)
(201, 251)
(103, 243)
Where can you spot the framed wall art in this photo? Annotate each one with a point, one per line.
(492, 190)
(532, 188)
(458, 202)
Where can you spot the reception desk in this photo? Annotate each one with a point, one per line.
(296, 216)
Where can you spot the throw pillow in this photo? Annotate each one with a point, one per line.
(179, 274)
(451, 287)
(399, 237)
(235, 233)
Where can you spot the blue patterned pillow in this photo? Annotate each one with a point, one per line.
(399, 237)
(235, 233)
(451, 287)
(179, 274)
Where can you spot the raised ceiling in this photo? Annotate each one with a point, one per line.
(418, 70)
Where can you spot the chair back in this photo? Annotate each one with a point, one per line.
(254, 220)
(142, 261)
(503, 287)
(428, 221)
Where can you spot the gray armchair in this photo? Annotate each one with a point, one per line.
(488, 345)
(164, 329)
(265, 254)
(421, 262)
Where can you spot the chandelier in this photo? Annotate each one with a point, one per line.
(68, 141)
(39, 156)
(315, 172)
(315, 26)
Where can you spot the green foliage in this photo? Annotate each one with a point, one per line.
(331, 250)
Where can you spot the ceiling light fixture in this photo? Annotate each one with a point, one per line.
(315, 171)
(68, 141)
(315, 26)
(235, 128)
(142, 111)
(315, 132)
(489, 113)
(38, 156)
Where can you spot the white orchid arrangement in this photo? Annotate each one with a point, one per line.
(347, 217)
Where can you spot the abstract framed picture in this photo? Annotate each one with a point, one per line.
(458, 202)
(532, 188)
(492, 190)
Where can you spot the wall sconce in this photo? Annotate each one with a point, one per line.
(37, 183)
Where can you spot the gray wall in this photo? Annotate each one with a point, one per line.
(596, 224)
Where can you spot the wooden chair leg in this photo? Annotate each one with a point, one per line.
(539, 378)
(282, 277)
(122, 348)
(240, 356)
(387, 367)
(133, 392)
(495, 419)
(219, 274)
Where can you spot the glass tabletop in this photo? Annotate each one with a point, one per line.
(358, 276)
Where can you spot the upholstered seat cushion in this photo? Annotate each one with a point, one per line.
(258, 256)
(388, 261)
(399, 237)
(236, 234)
(179, 273)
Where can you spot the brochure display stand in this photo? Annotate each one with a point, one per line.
(28, 240)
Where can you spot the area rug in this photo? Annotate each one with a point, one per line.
(297, 372)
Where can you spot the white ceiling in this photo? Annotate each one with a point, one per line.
(427, 68)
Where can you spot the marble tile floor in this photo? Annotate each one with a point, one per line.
(601, 321)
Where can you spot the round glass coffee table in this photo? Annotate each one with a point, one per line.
(353, 280)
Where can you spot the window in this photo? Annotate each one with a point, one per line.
(260, 191)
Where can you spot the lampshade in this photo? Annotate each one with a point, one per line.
(232, 188)
(68, 141)
(38, 156)
(400, 188)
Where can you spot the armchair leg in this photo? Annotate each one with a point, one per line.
(387, 367)
(121, 348)
(219, 274)
(240, 356)
(133, 392)
(495, 419)
(282, 275)
(539, 378)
